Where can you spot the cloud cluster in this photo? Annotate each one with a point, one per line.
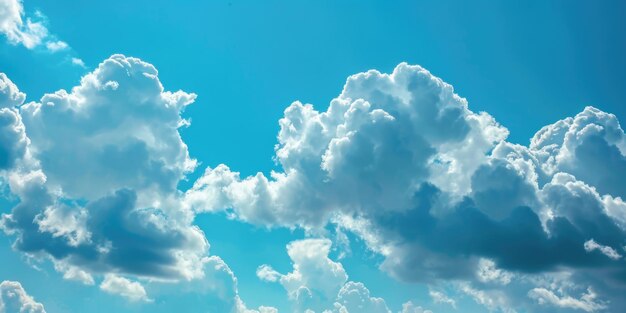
(97, 188)
(216, 291)
(399, 160)
(319, 284)
(13, 299)
(368, 152)
(95, 173)
(10, 95)
(402, 162)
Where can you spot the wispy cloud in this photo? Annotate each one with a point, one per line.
(30, 30)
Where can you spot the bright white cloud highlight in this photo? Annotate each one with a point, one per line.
(320, 284)
(488, 272)
(409, 307)
(78, 62)
(587, 301)
(440, 297)
(10, 95)
(56, 45)
(355, 297)
(27, 30)
(592, 245)
(315, 279)
(14, 299)
(397, 159)
(124, 287)
(493, 300)
(97, 176)
(402, 162)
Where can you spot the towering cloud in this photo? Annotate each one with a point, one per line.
(100, 193)
(401, 161)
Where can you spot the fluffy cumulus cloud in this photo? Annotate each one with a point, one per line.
(402, 162)
(27, 30)
(95, 183)
(369, 152)
(319, 284)
(440, 297)
(398, 160)
(128, 134)
(13, 140)
(355, 297)
(10, 95)
(216, 291)
(110, 209)
(98, 193)
(13, 299)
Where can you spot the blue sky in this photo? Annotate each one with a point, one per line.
(399, 184)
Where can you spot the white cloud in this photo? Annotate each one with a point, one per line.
(402, 162)
(56, 45)
(398, 159)
(591, 245)
(216, 291)
(591, 146)
(319, 284)
(409, 307)
(74, 273)
(615, 207)
(440, 297)
(129, 132)
(13, 140)
(10, 95)
(13, 299)
(587, 301)
(16, 29)
(315, 279)
(29, 31)
(355, 297)
(493, 300)
(124, 287)
(381, 138)
(267, 273)
(98, 175)
(488, 272)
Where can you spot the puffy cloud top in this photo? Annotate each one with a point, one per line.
(320, 284)
(401, 161)
(14, 299)
(397, 159)
(117, 129)
(97, 176)
(370, 151)
(10, 95)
